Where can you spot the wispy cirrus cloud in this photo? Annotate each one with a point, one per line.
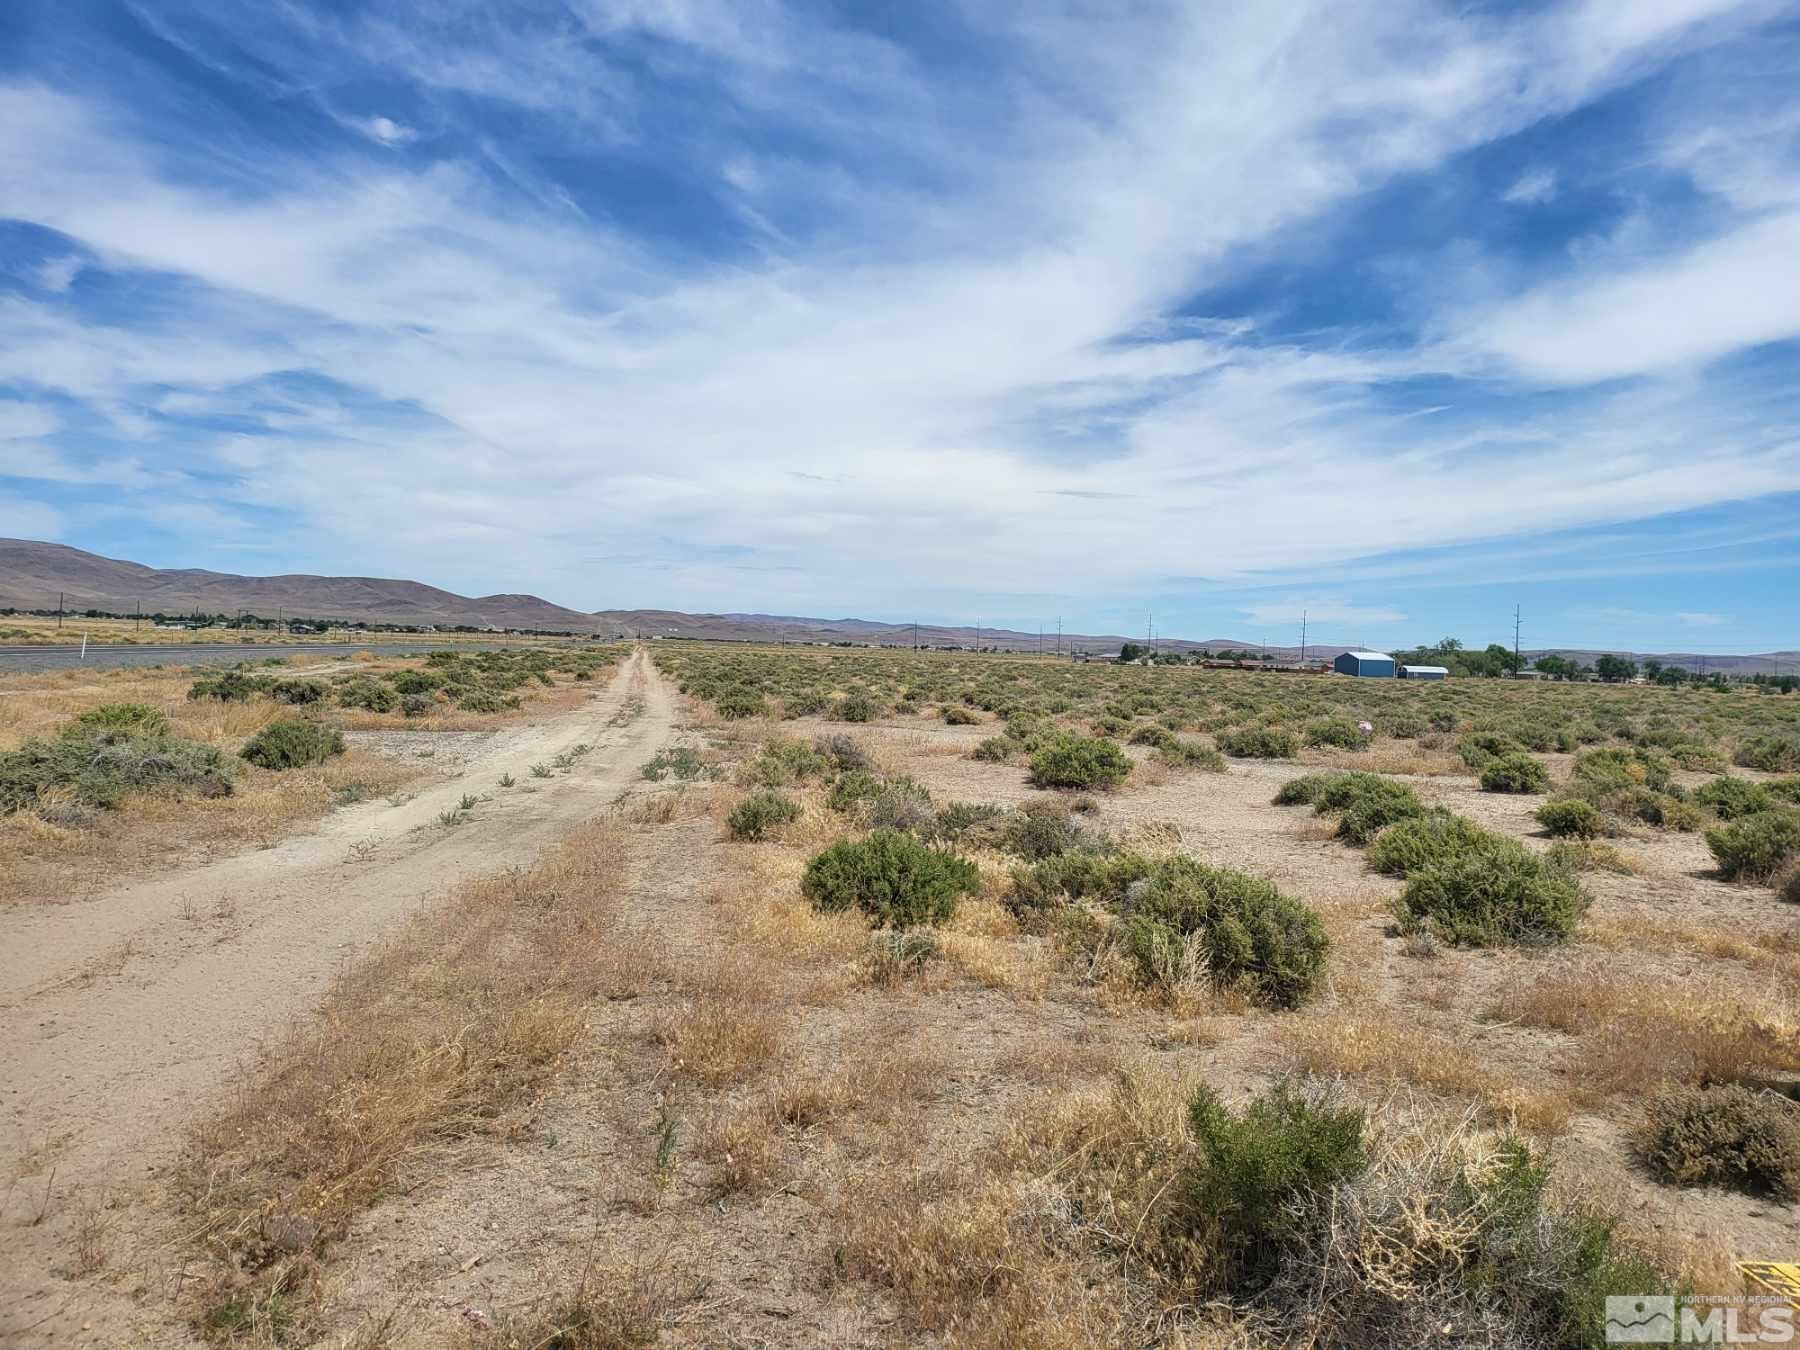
(1015, 289)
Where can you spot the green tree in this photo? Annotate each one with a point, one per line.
(1131, 651)
(1614, 669)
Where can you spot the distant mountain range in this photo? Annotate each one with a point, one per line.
(32, 574)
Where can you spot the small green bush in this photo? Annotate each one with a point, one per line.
(852, 789)
(1479, 748)
(1259, 743)
(1340, 732)
(1365, 803)
(1041, 830)
(231, 686)
(960, 822)
(1774, 753)
(996, 750)
(1078, 874)
(1302, 791)
(857, 706)
(958, 716)
(1570, 818)
(1497, 894)
(103, 767)
(1730, 798)
(680, 762)
(119, 719)
(372, 695)
(296, 693)
(892, 877)
(1723, 1135)
(1244, 1188)
(1255, 938)
(1422, 840)
(1516, 772)
(737, 703)
(482, 701)
(783, 762)
(1079, 762)
(843, 752)
(902, 805)
(292, 745)
(1756, 846)
(759, 814)
(414, 682)
(1182, 754)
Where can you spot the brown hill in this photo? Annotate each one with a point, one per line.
(33, 574)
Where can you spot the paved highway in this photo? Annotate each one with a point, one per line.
(109, 656)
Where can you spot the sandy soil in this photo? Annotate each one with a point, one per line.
(121, 1016)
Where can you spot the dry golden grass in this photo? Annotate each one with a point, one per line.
(1634, 1032)
(1396, 757)
(1633, 931)
(1383, 1045)
(428, 1043)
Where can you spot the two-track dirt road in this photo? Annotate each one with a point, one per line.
(123, 1016)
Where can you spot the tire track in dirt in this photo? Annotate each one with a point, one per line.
(121, 1017)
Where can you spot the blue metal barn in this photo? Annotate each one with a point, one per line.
(1365, 663)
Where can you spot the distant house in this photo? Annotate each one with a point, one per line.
(1423, 672)
(1365, 663)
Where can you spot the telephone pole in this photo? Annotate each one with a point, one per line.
(1517, 663)
(1059, 635)
(1302, 637)
(59, 609)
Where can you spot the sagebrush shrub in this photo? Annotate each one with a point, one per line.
(103, 767)
(1079, 762)
(1421, 840)
(857, 706)
(1570, 818)
(996, 749)
(1773, 753)
(299, 692)
(1190, 755)
(1257, 939)
(1723, 1135)
(231, 686)
(1516, 772)
(1756, 846)
(1340, 732)
(372, 695)
(123, 719)
(958, 716)
(1499, 893)
(1077, 874)
(1479, 748)
(901, 805)
(894, 879)
(760, 814)
(783, 762)
(843, 752)
(1729, 798)
(1243, 1189)
(1258, 743)
(292, 745)
(1041, 830)
(739, 703)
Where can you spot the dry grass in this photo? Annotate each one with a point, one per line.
(621, 1307)
(1383, 1045)
(429, 1042)
(1639, 932)
(1635, 1032)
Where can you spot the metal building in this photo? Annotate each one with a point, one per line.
(1423, 672)
(1365, 663)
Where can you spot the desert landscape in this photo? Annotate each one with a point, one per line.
(809, 675)
(729, 995)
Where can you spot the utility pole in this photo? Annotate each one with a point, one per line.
(140, 615)
(1302, 637)
(1040, 646)
(1059, 635)
(915, 635)
(977, 637)
(1517, 663)
(59, 609)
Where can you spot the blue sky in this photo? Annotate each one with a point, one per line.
(1398, 313)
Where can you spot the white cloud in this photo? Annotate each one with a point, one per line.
(967, 361)
(58, 274)
(383, 129)
(1532, 188)
(1703, 619)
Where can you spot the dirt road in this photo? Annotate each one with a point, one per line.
(120, 1017)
